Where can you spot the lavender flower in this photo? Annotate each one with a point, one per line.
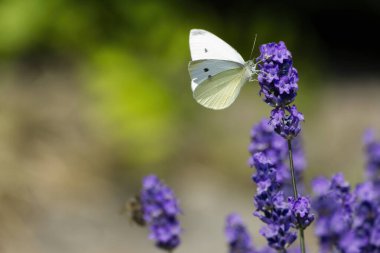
(238, 238)
(269, 157)
(364, 232)
(301, 212)
(278, 83)
(277, 77)
(265, 178)
(279, 223)
(286, 121)
(264, 139)
(375, 234)
(270, 250)
(271, 206)
(349, 223)
(299, 158)
(277, 236)
(372, 150)
(333, 204)
(160, 209)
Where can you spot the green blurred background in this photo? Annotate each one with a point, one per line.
(95, 94)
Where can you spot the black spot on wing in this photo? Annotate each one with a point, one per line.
(206, 69)
(206, 50)
(209, 76)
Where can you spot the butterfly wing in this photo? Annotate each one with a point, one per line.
(205, 45)
(217, 70)
(220, 91)
(201, 70)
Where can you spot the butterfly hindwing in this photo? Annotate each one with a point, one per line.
(217, 70)
(205, 45)
(221, 90)
(202, 70)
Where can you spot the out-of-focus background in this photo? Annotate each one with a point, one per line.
(95, 94)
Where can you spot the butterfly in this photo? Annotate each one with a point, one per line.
(217, 71)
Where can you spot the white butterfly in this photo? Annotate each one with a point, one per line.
(217, 70)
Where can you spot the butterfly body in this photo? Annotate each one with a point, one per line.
(217, 71)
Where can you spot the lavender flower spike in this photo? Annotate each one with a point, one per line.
(264, 139)
(271, 205)
(238, 238)
(278, 231)
(372, 148)
(333, 204)
(301, 212)
(277, 238)
(277, 77)
(364, 235)
(160, 208)
(286, 121)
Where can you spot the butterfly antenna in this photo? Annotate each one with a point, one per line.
(253, 47)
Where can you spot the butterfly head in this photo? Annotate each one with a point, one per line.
(250, 65)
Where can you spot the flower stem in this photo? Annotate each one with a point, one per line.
(302, 241)
(294, 183)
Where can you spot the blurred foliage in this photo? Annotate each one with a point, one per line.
(133, 56)
(127, 92)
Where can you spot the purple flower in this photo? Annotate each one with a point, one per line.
(278, 236)
(286, 121)
(279, 210)
(277, 77)
(270, 250)
(265, 178)
(278, 85)
(350, 243)
(364, 232)
(265, 169)
(301, 212)
(238, 238)
(160, 208)
(264, 139)
(299, 158)
(271, 205)
(333, 204)
(364, 236)
(375, 234)
(267, 250)
(372, 150)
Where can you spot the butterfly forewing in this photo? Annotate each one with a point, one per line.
(202, 70)
(220, 91)
(205, 46)
(217, 71)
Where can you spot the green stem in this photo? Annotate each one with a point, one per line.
(294, 183)
(302, 241)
